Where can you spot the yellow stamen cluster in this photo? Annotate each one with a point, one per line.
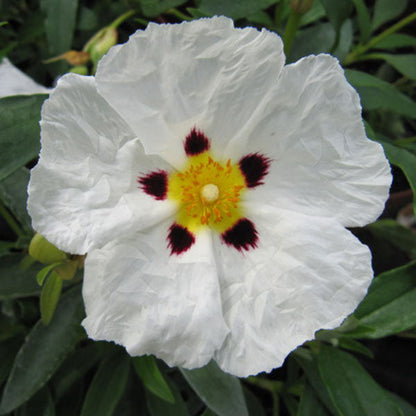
(208, 193)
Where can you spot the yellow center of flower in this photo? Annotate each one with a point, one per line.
(208, 193)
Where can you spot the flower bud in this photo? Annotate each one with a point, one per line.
(101, 42)
(79, 69)
(45, 252)
(301, 6)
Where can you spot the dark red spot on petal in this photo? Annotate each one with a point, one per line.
(155, 184)
(254, 168)
(196, 142)
(242, 236)
(179, 239)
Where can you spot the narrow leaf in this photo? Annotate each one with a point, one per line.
(60, 24)
(337, 11)
(388, 307)
(44, 350)
(405, 64)
(309, 365)
(15, 280)
(363, 18)
(386, 10)
(234, 9)
(159, 407)
(41, 276)
(310, 405)
(378, 94)
(147, 369)
(41, 404)
(221, 392)
(19, 131)
(13, 193)
(396, 40)
(49, 297)
(74, 368)
(153, 8)
(351, 389)
(107, 386)
(405, 160)
(313, 40)
(399, 236)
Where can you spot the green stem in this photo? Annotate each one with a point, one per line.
(116, 23)
(265, 384)
(361, 49)
(290, 30)
(179, 14)
(275, 397)
(14, 225)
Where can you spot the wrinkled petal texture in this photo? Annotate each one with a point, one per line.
(246, 309)
(83, 191)
(322, 162)
(137, 295)
(170, 78)
(307, 273)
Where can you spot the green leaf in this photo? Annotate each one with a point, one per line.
(405, 64)
(234, 9)
(16, 281)
(309, 365)
(152, 8)
(389, 306)
(345, 40)
(337, 11)
(363, 19)
(377, 94)
(19, 131)
(44, 350)
(74, 368)
(407, 408)
(313, 40)
(8, 351)
(60, 24)
(13, 193)
(315, 13)
(386, 10)
(352, 390)
(107, 386)
(396, 40)
(158, 407)
(220, 391)
(310, 405)
(399, 236)
(41, 404)
(405, 160)
(49, 297)
(147, 369)
(254, 405)
(41, 276)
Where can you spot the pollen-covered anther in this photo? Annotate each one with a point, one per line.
(208, 192)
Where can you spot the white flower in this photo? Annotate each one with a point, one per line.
(15, 82)
(210, 186)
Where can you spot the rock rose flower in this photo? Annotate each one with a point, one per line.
(210, 186)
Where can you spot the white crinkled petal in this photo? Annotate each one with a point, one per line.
(84, 188)
(307, 273)
(322, 162)
(138, 296)
(169, 78)
(15, 82)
